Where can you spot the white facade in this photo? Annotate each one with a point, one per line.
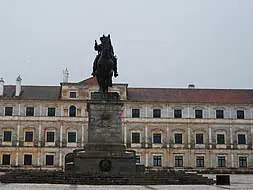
(39, 133)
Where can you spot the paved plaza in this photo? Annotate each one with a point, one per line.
(237, 182)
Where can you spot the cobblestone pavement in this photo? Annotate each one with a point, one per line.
(237, 182)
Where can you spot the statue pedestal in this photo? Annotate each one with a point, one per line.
(104, 112)
(105, 152)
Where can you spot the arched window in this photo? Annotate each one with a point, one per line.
(72, 111)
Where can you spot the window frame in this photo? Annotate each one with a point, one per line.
(198, 115)
(240, 116)
(153, 139)
(224, 138)
(239, 140)
(72, 94)
(49, 112)
(30, 111)
(6, 111)
(133, 139)
(175, 139)
(157, 113)
(4, 139)
(178, 113)
(72, 111)
(50, 131)
(24, 160)
(53, 161)
(200, 161)
(240, 161)
(157, 160)
(179, 161)
(135, 113)
(219, 114)
(221, 163)
(71, 131)
(25, 136)
(196, 139)
(3, 157)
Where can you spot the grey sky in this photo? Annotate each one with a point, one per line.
(159, 43)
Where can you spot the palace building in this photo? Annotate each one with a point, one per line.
(167, 127)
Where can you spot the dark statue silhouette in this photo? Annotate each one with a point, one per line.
(105, 64)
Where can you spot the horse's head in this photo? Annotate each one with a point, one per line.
(106, 45)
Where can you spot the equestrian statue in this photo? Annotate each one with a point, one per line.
(105, 63)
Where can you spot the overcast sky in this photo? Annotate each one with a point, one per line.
(159, 43)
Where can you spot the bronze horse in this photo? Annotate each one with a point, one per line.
(105, 65)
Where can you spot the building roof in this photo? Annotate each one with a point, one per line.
(33, 92)
(92, 81)
(175, 95)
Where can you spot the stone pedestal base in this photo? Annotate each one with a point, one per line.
(105, 163)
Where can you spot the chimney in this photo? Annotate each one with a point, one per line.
(65, 76)
(18, 85)
(1, 86)
(191, 85)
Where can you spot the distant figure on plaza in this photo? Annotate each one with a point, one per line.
(105, 63)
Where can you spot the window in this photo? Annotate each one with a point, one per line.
(135, 113)
(157, 160)
(6, 159)
(7, 136)
(50, 136)
(8, 111)
(49, 160)
(220, 139)
(156, 113)
(135, 137)
(243, 162)
(241, 139)
(72, 94)
(29, 136)
(221, 161)
(30, 111)
(219, 114)
(72, 111)
(178, 138)
(200, 161)
(71, 137)
(138, 159)
(27, 159)
(157, 138)
(198, 114)
(178, 161)
(240, 114)
(199, 138)
(177, 113)
(51, 112)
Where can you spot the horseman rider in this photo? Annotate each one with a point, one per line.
(99, 49)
